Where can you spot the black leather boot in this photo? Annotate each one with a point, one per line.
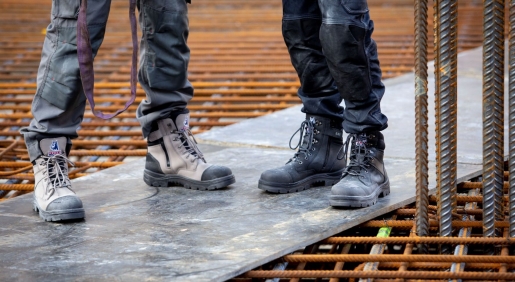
(317, 161)
(364, 179)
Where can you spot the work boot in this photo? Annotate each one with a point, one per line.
(53, 197)
(316, 162)
(173, 158)
(364, 179)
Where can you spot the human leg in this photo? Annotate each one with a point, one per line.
(316, 162)
(58, 108)
(59, 103)
(300, 27)
(173, 156)
(352, 59)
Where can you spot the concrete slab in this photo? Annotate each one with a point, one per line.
(134, 232)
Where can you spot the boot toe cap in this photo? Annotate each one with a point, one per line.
(276, 176)
(65, 203)
(216, 171)
(349, 188)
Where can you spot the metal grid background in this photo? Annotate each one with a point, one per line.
(239, 67)
(368, 253)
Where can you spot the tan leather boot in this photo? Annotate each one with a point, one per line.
(53, 197)
(173, 158)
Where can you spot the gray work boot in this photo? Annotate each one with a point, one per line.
(316, 162)
(53, 196)
(173, 158)
(364, 179)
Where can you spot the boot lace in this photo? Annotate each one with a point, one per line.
(305, 145)
(190, 144)
(359, 159)
(56, 173)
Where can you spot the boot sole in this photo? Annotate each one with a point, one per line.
(317, 180)
(162, 180)
(61, 215)
(360, 201)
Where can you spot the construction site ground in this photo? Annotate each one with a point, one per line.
(134, 232)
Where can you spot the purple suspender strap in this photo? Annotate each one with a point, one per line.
(85, 56)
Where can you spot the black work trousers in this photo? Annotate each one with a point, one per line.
(330, 45)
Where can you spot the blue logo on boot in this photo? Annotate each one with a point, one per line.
(54, 148)
(186, 124)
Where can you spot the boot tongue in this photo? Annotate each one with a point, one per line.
(359, 149)
(368, 140)
(361, 141)
(53, 146)
(182, 122)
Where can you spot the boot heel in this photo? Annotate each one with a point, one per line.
(385, 191)
(154, 181)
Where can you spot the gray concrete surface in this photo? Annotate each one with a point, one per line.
(133, 232)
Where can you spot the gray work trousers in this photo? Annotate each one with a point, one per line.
(59, 103)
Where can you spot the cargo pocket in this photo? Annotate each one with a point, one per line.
(167, 55)
(355, 6)
(344, 49)
(63, 85)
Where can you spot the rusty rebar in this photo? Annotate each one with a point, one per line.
(465, 199)
(377, 249)
(311, 249)
(446, 112)
(339, 265)
(443, 265)
(479, 185)
(410, 212)
(397, 258)
(407, 224)
(493, 114)
(377, 274)
(77, 164)
(421, 240)
(503, 267)
(136, 152)
(466, 232)
(18, 187)
(408, 250)
(421, 121)
(511, 160)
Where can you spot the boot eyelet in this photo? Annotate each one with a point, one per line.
(306, 158)
(309, 154)
(313, 149)
(300, 162)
